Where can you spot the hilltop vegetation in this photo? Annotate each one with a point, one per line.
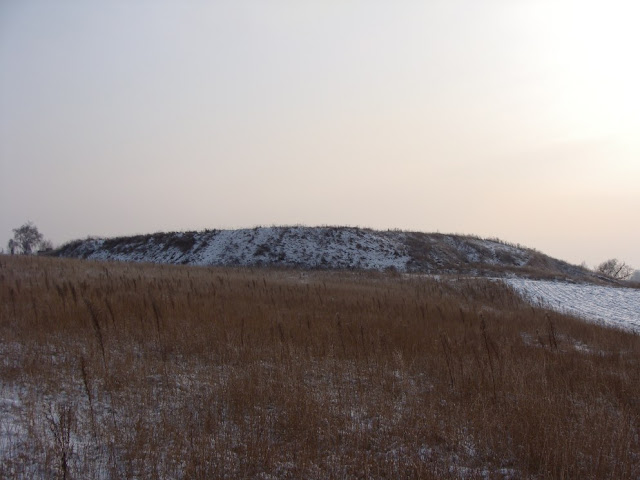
(119, 370)
(330, 248)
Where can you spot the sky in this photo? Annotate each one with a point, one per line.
(515, 119)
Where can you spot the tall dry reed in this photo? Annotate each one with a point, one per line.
(137, 371)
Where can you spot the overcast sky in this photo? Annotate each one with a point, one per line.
(513, 119)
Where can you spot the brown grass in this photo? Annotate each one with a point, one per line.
(143, 371)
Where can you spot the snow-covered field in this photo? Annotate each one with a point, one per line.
(619, 307)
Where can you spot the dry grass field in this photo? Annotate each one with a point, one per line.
(144, 371)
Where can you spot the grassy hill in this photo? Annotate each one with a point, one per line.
(123, 370)
(331, 248)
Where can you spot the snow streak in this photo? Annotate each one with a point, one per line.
(615, 306)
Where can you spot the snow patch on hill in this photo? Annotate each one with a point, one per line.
(619, 307)
(327, 248)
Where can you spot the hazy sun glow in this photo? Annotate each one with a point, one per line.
(589, 50)
(515, 119)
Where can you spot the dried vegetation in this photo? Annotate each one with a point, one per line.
(146, 371)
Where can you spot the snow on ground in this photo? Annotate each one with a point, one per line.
(323, 247)
(619, 307)
(306, 247)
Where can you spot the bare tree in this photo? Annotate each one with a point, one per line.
(25, 239)
(614, 268)
(45, 245)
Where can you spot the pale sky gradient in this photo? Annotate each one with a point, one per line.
(516, 119)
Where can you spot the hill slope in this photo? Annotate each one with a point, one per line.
(328, 248)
